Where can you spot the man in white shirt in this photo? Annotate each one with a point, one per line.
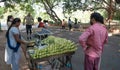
(29, 21)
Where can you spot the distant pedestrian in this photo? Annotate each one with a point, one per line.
(76, 21)
(0, 27)
(9, 20)
(69, 24)
(92, 42)
(29, 21)
(45, 23)
(63, 24)
(41, 24)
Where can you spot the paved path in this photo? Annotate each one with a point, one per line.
(110, 57)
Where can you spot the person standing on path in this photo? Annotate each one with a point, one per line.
(9, 20)
(13, 45)
(76, 21)
(63, 24)
(69, 24)
(29, 21)
(0, 27)
(45, 23)
(92, 42)
(41, 24)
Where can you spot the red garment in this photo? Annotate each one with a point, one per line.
(41, 24)
(92, 63)
(93, 40)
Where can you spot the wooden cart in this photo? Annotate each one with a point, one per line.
(58, 62)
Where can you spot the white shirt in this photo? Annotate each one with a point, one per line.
(29, 20)
(9, 23)
(9, 54)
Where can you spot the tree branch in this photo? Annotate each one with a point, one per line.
(106, 2)
(50, 11)
(48, 4)
(54, 6)
(96, 8)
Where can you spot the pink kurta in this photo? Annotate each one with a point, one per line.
(93, 39)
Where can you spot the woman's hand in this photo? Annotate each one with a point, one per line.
(25, 42)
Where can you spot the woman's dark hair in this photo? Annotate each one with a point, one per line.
(97, 17)
(13, 22)
(39, 19)
(9, 17)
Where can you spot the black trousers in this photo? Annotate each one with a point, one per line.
(29, 29)
(70, 26)
(63, 27)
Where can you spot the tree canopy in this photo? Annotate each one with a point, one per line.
(110, 6)
(69, 6)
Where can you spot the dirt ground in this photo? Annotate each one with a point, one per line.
(110, 57)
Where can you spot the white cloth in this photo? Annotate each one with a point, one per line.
(46, 24)
(10, 56)
(9, 23)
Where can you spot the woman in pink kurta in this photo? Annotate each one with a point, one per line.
(92, 41)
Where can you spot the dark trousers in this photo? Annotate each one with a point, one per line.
(70, 26)
(29, 29)
(91, 63)
(63, 27)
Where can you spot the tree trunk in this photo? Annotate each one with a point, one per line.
(51, 12)
(110, 10)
